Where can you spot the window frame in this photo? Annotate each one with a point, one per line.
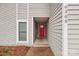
(18, 21)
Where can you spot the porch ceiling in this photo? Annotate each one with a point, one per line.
(41, 19)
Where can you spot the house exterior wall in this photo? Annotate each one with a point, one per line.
(55, 29)
(7, 24)
(11, 13)
(73, 29)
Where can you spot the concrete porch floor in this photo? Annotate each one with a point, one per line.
(41, 43)
(40, 51)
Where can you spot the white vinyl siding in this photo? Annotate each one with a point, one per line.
(55, 29)
(22, 11)
(39, 9)
(73, 29)
(7, 23)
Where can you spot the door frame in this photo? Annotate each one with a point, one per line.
(33, 28)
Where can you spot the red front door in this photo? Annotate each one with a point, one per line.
(41, 31)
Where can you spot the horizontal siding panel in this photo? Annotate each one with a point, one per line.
(58, 31)
(38, 12)
(76, 11)
(57, 21)
(73, 26)
(43, 5)
(57, 39)
(73, 51)
(57, 35)
(73, 4)
(73, 21)
(73, 7)
(57, 27)
(59, 11)
(75, 46)
(73, 16)
(58, 17)
(73, 31)
(73, 36)
(73, 54)
(74, 41)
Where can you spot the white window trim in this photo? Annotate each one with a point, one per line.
(22, 20)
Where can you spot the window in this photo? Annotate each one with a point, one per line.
(22, 31)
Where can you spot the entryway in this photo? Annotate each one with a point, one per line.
(40, 31)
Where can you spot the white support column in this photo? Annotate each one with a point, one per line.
(64, 30)
(27, 23)
(16, 23)
(32, 31)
